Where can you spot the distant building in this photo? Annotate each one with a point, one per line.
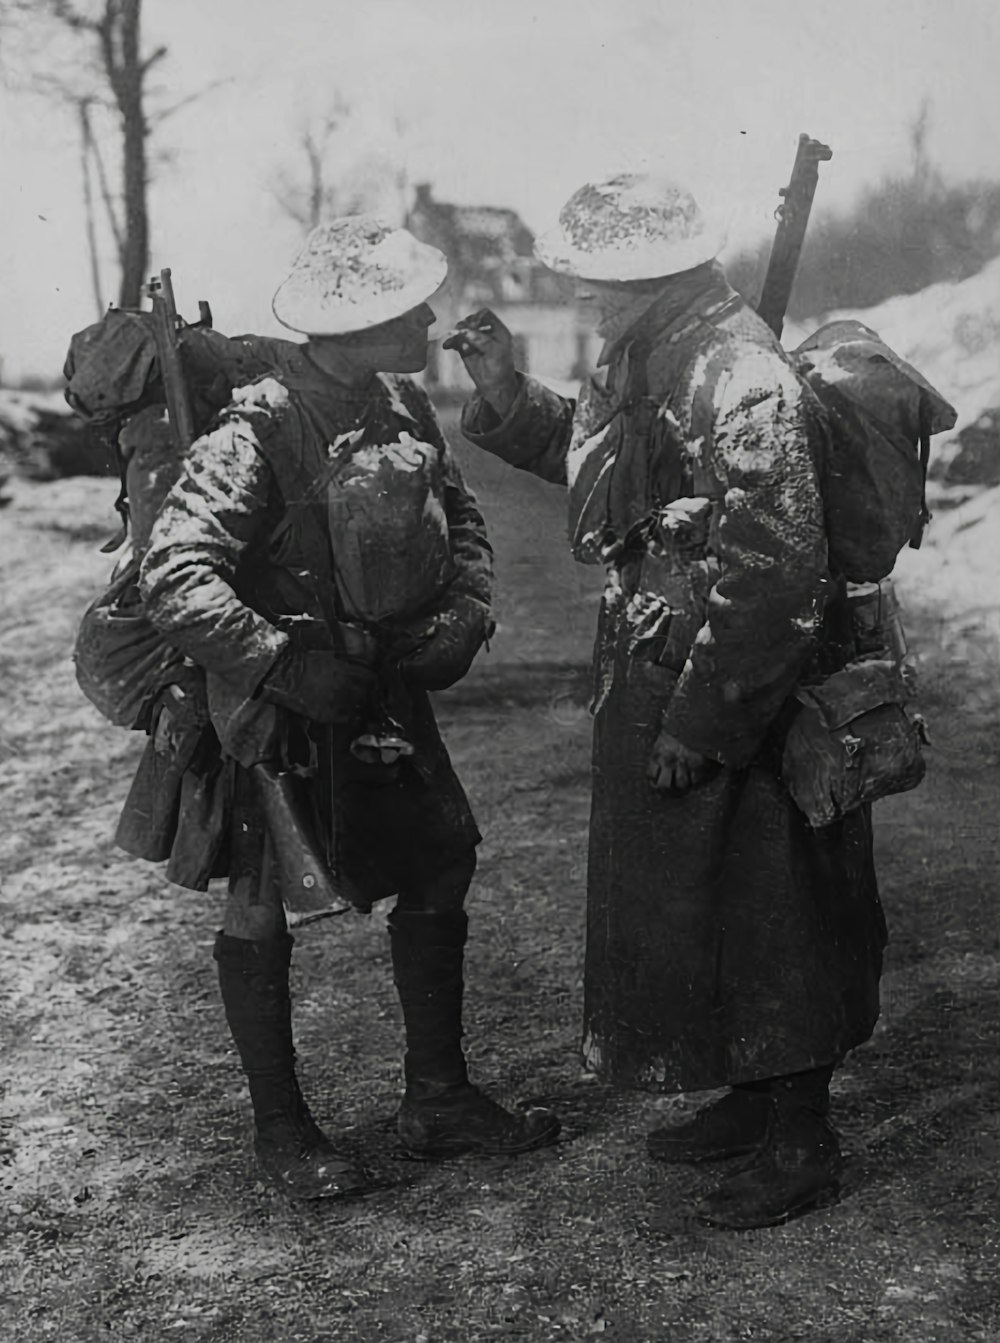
(491, 265)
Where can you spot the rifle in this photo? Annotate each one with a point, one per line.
(166, 325)
(792, 216)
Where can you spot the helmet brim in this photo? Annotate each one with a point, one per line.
(643, 259)
(325, 296)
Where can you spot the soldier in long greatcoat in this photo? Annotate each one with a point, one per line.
(250, 571)
(728, 943)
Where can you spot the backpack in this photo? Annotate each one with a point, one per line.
(122, 661)
(882, 414)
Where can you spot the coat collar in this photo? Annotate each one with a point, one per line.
(697, 293)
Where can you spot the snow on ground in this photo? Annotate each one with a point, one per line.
(956, 572)
(19, 409)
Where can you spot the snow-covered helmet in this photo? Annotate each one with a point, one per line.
(633, 226)
(356, 272)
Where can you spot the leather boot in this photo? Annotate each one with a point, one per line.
(796, 1170)
(442, 1114)
(292, 1149)
(735, 1125)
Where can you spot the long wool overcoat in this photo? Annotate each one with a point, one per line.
(727, 941)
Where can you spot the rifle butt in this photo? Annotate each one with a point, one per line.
(309, 890)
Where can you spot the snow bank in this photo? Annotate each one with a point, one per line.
(950, 332)
(21, 411)
(957, 569)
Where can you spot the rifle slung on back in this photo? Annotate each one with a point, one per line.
(792, 216)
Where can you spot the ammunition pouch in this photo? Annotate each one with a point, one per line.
(852, 741)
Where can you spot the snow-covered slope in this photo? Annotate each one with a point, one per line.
(950, 332)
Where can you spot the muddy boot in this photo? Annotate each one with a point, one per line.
(442, 1113)
(735, 1125)
(291, 1148)
(797, 1169)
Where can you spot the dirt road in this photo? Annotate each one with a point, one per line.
(130, 1204)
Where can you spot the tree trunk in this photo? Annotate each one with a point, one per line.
(127, 83)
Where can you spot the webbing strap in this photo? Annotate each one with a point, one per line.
(924, 419)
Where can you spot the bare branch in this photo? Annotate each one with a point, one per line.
(310, 199)
(163, 114)
(71, 17)
(288, 196)
(117, 231)
(146, 65)
(86, 140)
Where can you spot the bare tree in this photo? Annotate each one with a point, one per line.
(307, 194)
(126, 71)
(114, 77)
(923, 175)
(326, 180)
(905, 232)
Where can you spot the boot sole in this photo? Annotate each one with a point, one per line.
(354, 1184)
(689, 1158)
(342, 1194)
(444, 1151)
(825, 1198)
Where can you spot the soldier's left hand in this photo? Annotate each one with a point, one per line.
(454, 637)
(676, 768)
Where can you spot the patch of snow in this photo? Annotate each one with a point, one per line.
(949, 331)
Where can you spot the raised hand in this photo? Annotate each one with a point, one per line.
(487, 350)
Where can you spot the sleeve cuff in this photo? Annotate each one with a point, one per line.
(722, 731)
(256, 662)
(485, 428)
(519, 437)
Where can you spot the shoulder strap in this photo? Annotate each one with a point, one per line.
(925, 417)
(303, 494)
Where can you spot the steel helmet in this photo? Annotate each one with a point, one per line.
(633, 226)
(356, 272)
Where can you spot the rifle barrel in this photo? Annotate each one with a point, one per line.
(793, 216)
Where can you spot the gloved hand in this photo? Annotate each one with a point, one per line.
(676, 768)
(451, 638)
(319, 685)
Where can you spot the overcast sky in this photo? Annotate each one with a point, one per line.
(507, 102)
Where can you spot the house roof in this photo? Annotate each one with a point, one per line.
(482, 243)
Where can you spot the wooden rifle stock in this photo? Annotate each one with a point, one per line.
(792, 216)
(309, 890)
